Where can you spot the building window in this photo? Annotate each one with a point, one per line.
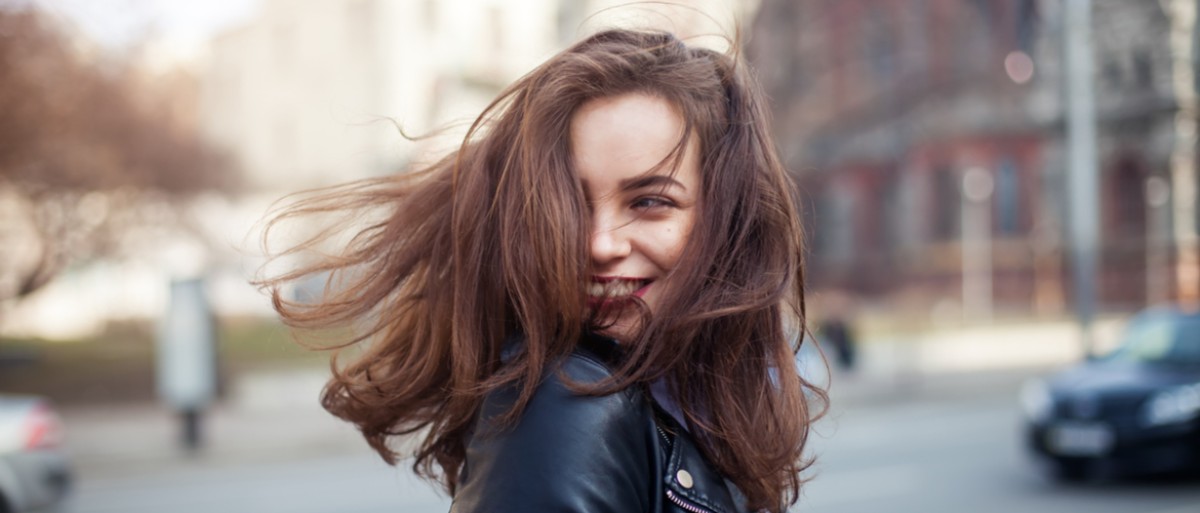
(914, 50)
(1129, 206)
(892, 215)
(947, 204)
(1054, 189)
(973, 37)
(1027, 18)
(835, 212)
(1143, 68)
(1112, 72)
(1008, 198)
(880, 44)
(906, 217)
(983, 12)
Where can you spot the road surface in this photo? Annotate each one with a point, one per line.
(916, 452)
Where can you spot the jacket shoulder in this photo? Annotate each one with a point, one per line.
(566, 452)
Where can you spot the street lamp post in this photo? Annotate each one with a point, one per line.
(977, 186)
(1081, 159)
(1157, 226)
(1183, 188)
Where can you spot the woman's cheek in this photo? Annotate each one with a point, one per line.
(673, 249)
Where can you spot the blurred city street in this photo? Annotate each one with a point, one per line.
(270, 448)
(983, 182)
(956, 454)
(913, 430)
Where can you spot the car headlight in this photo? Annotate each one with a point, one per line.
(1173, 405)
(1036, 401)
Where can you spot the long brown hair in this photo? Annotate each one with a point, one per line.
(491, 242)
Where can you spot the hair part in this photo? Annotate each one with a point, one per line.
(491, 242)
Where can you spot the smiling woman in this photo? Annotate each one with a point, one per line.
(591, 304)
(641, 189)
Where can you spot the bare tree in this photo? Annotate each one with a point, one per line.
(85, 155)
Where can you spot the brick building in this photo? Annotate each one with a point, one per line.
(882, 106)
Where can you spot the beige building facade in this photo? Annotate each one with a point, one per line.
(311, 92)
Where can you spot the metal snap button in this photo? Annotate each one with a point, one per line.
(684, 478)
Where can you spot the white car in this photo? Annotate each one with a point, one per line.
(34, 470)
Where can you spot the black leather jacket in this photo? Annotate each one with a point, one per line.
(579, 454)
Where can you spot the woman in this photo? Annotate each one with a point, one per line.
(589, 305)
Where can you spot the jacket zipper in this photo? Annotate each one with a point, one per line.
(678, 501)
(675, 499)
(663, 434)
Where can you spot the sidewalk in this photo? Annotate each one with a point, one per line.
(269, 417)
(274, 416)
(965, 361)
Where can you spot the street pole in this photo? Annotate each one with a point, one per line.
(1182, 15)
(1081, 160)
(1157, 226)
(977, 185)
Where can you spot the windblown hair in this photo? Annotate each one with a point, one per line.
(491, 242)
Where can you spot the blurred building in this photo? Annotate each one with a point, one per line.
(312, 92)
(882, 107)
(308, 93)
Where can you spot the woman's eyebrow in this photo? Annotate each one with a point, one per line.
(639, 182)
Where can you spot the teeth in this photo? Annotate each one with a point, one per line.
(613, 288)
(622, 288)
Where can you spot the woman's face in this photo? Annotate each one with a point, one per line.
(642, 211)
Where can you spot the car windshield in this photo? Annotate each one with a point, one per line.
(1160, 339)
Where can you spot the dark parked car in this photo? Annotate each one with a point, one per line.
(1133, 411)
(34, 474)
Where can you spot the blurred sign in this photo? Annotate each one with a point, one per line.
(187, 353)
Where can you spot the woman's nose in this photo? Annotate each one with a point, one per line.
(608, 242)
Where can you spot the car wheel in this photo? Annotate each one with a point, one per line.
(4, 507)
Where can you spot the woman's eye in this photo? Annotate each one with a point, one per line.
(649, 202)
